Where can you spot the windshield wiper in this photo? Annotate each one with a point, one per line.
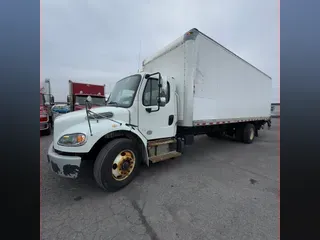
(87, 113)
(96, 116)
(113, 103)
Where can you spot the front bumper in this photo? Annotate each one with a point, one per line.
(44, 126)
(64, 166)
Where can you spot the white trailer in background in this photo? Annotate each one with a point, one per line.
(193, 86)
(275, 110)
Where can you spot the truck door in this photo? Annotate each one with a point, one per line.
(161, 123)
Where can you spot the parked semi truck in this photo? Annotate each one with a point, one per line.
(193, 86)
(78, 92)
(46, 102)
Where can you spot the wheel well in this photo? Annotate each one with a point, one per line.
(114, 135)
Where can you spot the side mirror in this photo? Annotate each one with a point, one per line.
(162, 101)
(52, 99)
(89, 99)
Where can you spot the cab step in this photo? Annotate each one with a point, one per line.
(159, 142)
(165, 156)
(162, 149)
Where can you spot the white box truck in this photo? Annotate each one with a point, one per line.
(193, 86)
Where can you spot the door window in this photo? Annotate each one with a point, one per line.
(151, 93)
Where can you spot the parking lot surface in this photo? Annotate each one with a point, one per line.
(219, 189)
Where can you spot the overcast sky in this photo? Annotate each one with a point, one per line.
(98, 41)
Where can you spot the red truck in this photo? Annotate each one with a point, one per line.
(46, 119)
(78, 93)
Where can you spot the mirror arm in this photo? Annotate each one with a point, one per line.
(147, 76)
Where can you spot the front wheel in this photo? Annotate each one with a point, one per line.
(48, 131)
(117, 164)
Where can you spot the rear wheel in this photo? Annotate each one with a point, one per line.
(249, 133)
(117, 164)
(239, 133)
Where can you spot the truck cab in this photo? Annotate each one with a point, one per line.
(46, 119)
(150, 107)
(78, 93)
(141, 114)
(80, 99)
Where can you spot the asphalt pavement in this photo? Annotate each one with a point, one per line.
(219, 189)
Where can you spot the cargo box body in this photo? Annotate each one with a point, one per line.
(86, 89)
(213, 84)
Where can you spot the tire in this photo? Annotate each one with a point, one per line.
(239, 134)
(47, 132)
(103, 170)
(249, 133)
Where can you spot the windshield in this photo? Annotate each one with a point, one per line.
(124, 91)
(98, 101)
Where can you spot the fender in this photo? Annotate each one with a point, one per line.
(102, 129)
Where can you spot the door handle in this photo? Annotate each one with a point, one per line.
(152, 109)
(170, 120)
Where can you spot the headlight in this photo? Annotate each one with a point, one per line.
(72, 140)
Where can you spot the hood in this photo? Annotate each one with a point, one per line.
(65, 121)
(80, 107)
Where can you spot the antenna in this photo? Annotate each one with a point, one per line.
(139, 55)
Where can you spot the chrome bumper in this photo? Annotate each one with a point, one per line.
(44, 126)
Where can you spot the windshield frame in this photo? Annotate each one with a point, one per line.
(133, 97)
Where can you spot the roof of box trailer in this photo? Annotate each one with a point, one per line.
(88, 84)
(192, 35)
